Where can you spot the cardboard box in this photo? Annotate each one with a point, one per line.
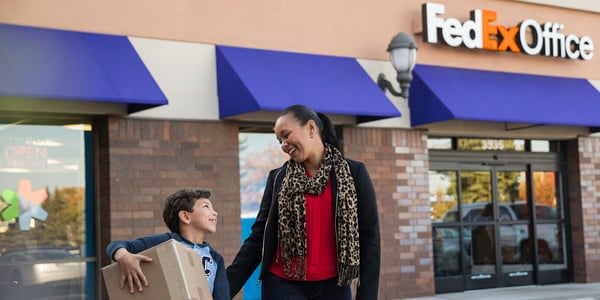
(175, 273)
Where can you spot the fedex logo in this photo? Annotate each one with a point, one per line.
(479, 32)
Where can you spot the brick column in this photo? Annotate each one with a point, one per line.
(397, 161)
(584, 204)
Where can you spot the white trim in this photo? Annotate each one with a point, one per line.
(186, 73)
(585, 5)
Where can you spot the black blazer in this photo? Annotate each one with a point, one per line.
(261, 245)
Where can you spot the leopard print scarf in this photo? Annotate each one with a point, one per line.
(292, 215)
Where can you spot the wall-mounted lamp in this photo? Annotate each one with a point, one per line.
(403, 55)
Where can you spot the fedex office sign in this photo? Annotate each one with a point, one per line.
(480, 32)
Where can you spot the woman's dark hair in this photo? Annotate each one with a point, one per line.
(183, 199)
(303, 113)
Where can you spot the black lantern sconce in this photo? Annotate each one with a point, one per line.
(403, 56)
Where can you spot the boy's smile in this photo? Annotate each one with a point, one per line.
(203, 217)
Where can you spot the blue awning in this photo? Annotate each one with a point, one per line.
(443, 93)
(252, 80)
(69, 65)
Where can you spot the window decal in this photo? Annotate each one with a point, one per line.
(24, 204)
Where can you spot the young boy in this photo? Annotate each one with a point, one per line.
(189, 215)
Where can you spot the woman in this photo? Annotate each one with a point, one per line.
(317, 228)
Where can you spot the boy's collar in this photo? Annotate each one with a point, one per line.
(186, 241)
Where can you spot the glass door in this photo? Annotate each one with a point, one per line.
(494, 235)
(484, 227)
(478, 217)
(512, 188)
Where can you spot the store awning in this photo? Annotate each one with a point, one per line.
(251, 80)
(68, 65)
(443, 93)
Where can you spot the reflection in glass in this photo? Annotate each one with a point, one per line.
(542, 212)
(475, 186)
(478, 212)
(547, 207)
(41, 272)
(511, 236)
(496, 234)
(259, 153)
(551, 250)
(442, 195)
(481, 243)
(43, 210)
(549, 227)
(446, 251)
(512, 186)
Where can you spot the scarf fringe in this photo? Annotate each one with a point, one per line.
(346, 276)
(295, 267)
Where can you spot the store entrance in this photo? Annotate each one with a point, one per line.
(495, 238)
(483, 223)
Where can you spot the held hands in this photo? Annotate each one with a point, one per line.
(131, 269)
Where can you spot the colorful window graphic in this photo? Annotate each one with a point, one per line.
(24, 204)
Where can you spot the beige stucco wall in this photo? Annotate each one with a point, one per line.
(360, 28)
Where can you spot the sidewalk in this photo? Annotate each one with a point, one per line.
(567, 291)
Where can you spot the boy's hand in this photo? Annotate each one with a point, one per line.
(131, 269)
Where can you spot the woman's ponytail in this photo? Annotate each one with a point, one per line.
(328, 131)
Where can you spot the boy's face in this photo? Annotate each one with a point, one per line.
(203, 216)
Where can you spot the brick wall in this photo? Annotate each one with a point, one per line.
(584, 199)
(397, 161)
(149, 159)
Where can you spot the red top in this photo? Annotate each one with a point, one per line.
(321, 256)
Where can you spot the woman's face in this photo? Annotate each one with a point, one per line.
(295, 139)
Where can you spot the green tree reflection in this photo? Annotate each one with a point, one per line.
(63, 228)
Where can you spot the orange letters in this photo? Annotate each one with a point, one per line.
(508, 40)
(488, 30)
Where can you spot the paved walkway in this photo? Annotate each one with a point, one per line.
(567, 291)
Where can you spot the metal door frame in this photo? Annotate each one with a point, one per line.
(495, 162)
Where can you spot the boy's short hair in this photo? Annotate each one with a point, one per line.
(183, 199)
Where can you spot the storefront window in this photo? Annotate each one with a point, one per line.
(540, 146)
(443, 196)
(446, 251)
(259, 153)
(439, 143)
(46, 236)
(548, 214)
